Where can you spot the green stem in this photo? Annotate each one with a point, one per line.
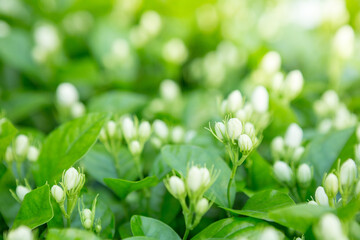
(186, 233)
(233, 172)
(68, 221)
(18, 169)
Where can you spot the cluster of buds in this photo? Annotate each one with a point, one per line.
(255, 111)
(332, 113)
(237, 136)
(198, 180)
(169, 95)
(67, 101)
(287, 152)
(72, 182)
(288, 148)
(343, 180)
(164, 134)
(135, 134)
(21, 232)
(19, 151)
(87, 217)
(281, 86)
(20, 191)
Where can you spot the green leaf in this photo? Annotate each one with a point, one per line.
(324, 150)
(348, 211)
(299, 217)
(180, 157)
(100, 164)
(123, 187)
(66, 145)
(260, 173)
(70, 234)
(35, 209)
(140, 238)
(21, 105)
(150, 227)
(7, 133)
(260, 204)
(117, 102)
(233, 228)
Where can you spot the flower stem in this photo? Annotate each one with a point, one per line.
(186, 233)
(233, 172)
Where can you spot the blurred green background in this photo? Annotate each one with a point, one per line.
(208, 47)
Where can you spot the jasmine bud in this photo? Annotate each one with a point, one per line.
(331, 185)
(144, 130)
(260, 99)
(283, 172)
(161, 129)
(234, 128)
(234, 101)
(304, 175)
(71, 178)
(321, 197)
(330, 227)
(58, 193)
(21, 145)
(177, 186)
(128, 128)
(21, 191)
(277, 146)
(177, 134)
(202, 206)
(66, 94)
(220, 130)
(33, 154)
(293, 135)
(86, 213)
(9, 155)
(111, 128)
(20, 233)
(245, 143)
(135, 148)
(348, 172)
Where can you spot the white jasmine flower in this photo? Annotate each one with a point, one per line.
(293, 135)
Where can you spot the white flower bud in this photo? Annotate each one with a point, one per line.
(249, 130)
(71, 178)
(202, 206)
(66, 94)
(177, 134)
(277, 145)
(234, 128)
(169, 90)
(234, 101)
(175, 51)
(298, 153)
(293, 84)
(197, 178)
(330, 99)
(331, 185)
(177, 186)
(98, 228)
(220, 130)
(357, 189)
(144, 130)
(321, 197)
(86, 213)
(20, 233)
(330, 227)
(245, 143)
(293, 135)
(260, 99)
(269, 233)
(21, 145)
(77, 110)
(161, 129)
(9, 155)
(111, 128)
(312, 202)
(128, 128)
(102, 135)
(348, 172)
(21, 191)
(271, 62)
(88, 223)
(283, 172)
(58, 193)
(33, 154)
(135, 148)
(304, 175)
(344, 42)
(156, 142)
